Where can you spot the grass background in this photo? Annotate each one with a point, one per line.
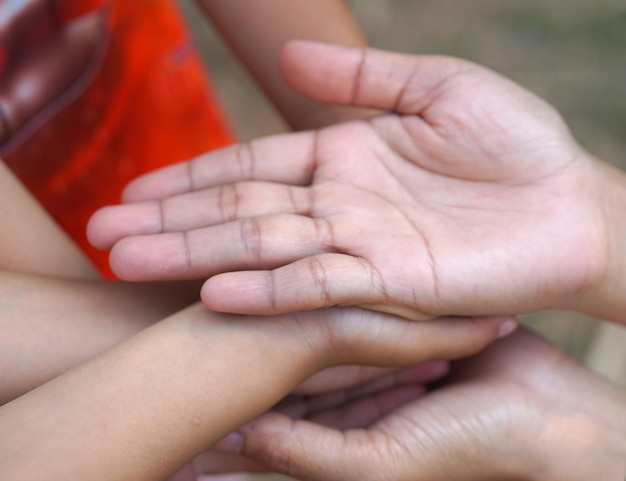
(570, 52)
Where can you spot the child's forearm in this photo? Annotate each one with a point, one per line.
(54, 312)
(50, 325)
(143, 408)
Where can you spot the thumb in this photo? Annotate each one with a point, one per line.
(366, 77)
(305, 450)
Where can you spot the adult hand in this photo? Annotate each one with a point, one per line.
(374, 393)
(471, 198)
(520, 410)
(339, 336)
(350, 335)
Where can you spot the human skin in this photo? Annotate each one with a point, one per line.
(471, 198)
(521, 410)
(55, 312)
(257, 44)
(56, 315)
(65, 54)
(325, 399)
(145, 407)
(86, 315)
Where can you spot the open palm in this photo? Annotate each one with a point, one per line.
(521, 409)
(470, 198)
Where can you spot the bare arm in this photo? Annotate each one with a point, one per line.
(50, 324)
(256, 31)
(145, 407)
(30, 241)
(54, 311)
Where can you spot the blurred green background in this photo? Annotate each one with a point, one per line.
(570, 52)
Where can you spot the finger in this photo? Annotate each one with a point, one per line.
(345, 412)
(305, 450)
(345, 336)
(186, 473)
(287, 158)
(330, 402)
(397, 378)
(366, 77)
(422, 373)
(194, 210)
(222, 459)
(357, 336)
(341, 377)
(322, 280)
(261, 243)
(365, 410)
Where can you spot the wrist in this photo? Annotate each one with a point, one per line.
(606, 296)
(263, 342)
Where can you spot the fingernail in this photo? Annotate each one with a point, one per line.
(233, 443)
(507, 327)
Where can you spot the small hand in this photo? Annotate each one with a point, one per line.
(472, 198)
(520, 410)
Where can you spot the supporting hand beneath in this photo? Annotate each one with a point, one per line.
(521, 410)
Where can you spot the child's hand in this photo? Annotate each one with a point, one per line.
(341, 395)
(471, 198)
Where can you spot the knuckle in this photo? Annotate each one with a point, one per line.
(270, 282)
(281, 460)
(324, 232)
(252, 238)
(319, 276)
(245, 159)
(316, 335)
(280, 455)
(228, 202)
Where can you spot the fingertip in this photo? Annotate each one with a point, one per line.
(491, 328)
(507, 327)
(208, 297)
(215, 298)
(238, 293)
(110, 224)
(158, 184)
(97, 233)
(120, 259)
(131, 261)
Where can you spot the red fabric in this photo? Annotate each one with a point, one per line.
(147, 104)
